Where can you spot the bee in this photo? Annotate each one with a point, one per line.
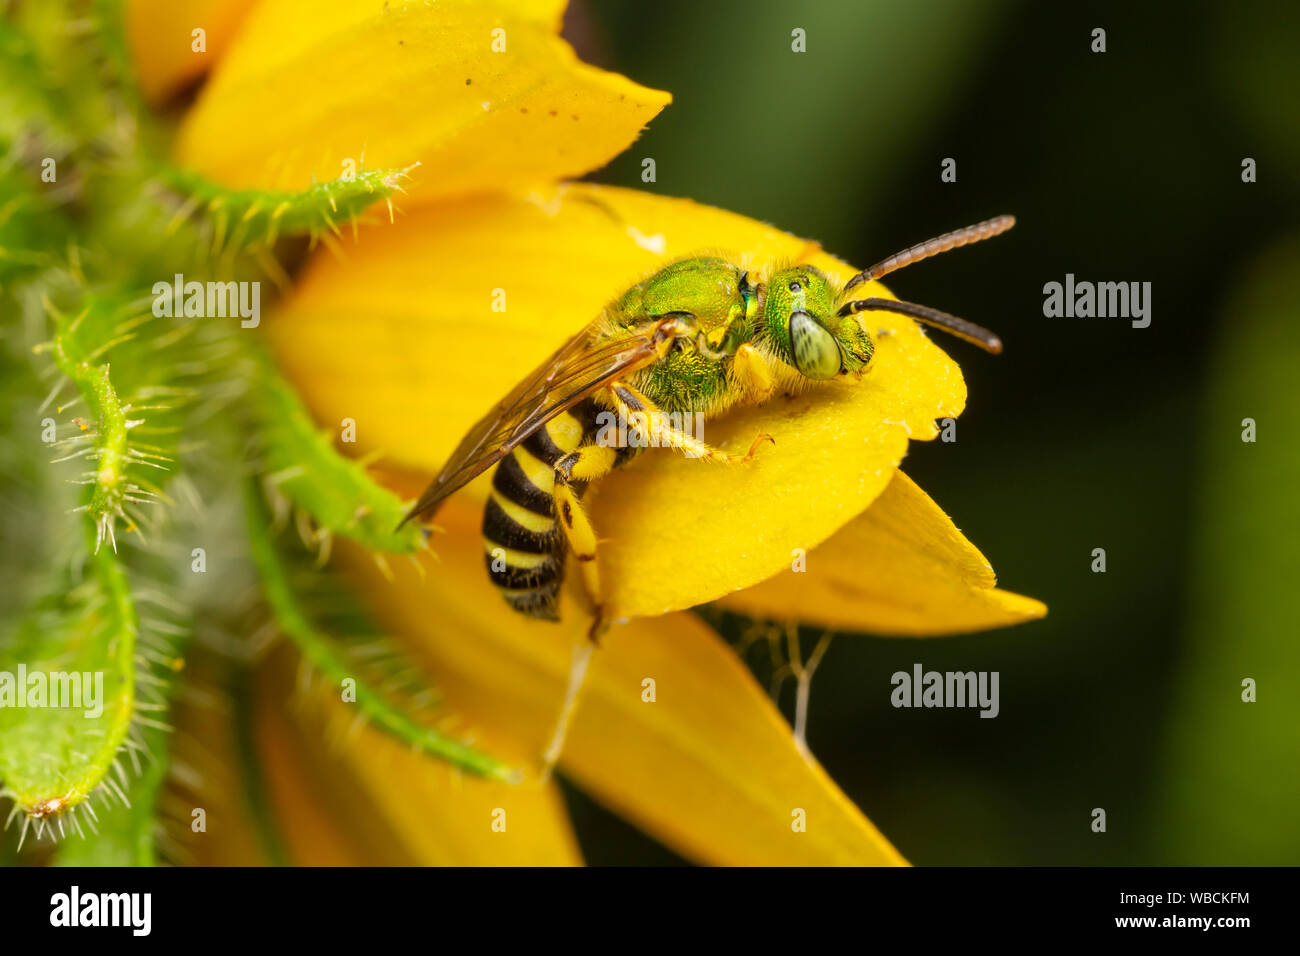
(700, 336)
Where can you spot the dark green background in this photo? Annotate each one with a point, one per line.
(1086, 433)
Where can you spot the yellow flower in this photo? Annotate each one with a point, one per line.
(397, 332)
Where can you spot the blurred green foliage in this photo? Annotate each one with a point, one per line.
(1230, 786)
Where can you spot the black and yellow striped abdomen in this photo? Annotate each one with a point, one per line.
(524, 544)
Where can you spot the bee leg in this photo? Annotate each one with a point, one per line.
(581, 657)
(586, 464)
(750, 371)
(641, 414)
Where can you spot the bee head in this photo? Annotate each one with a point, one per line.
(801, 323)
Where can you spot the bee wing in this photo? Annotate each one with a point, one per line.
(580, 367)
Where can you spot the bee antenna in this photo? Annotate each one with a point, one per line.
(932, 247)
(969, 331)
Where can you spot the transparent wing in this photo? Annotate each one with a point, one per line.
(580, 367)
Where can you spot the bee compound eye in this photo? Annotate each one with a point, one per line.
(816, 352)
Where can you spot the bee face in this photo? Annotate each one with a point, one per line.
(801, 324)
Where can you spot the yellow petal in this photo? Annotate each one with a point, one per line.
(900, 568)
(709, 768)
(160, 34)
(430, 814)
(402, 337)
(309, 86)
(320, 816)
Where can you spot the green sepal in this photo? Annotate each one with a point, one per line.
(53, 758)
(300, 461)
(256, 218)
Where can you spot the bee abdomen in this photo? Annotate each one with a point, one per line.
(500, 528)
(525, 555)
(532, 590)
(525, 548)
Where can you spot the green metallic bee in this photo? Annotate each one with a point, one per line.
(701, 335)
